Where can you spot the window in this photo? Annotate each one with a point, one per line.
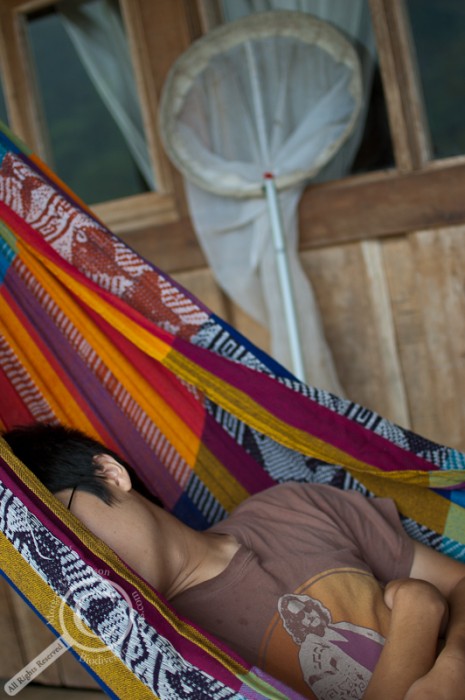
(61, 99)
(86, 144)
(438, 28)
(3, 112)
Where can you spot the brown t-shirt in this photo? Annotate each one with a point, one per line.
(301, 598)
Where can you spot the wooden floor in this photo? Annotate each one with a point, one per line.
(38, 692)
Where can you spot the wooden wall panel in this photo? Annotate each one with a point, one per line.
(394, 315)
(350, 299)
(426, 279)
(409, 319)
(383, 324)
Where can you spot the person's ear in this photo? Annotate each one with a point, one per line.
(114, 472)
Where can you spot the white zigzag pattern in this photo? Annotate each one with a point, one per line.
(179, 304)
(129, 261)
(150, 656)
(23, 383)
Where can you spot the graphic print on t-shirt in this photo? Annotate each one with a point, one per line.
(328, 635)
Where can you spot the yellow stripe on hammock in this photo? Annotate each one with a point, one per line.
(222, 484)
(61, 617)
(246, 409)
(48, 383)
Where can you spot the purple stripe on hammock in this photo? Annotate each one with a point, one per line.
(305, 414)
(289, 406)
(287, 692)
(127, 439)
(245, 469)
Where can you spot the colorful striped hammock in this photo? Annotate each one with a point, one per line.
(97, 338)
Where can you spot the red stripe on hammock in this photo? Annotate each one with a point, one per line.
(12, 409)
(289, 406)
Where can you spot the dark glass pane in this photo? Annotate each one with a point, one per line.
(3, 112)
(87, 150)
(438, 28)
(375, 151)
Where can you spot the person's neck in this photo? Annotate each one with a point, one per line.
(199, 556)
(185, 557)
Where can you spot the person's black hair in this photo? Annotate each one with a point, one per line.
(63, 457)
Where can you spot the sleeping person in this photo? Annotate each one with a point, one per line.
(319, 587)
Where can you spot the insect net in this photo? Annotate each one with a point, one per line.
(277, 93)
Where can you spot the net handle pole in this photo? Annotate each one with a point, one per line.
(259, 112)
(285, 281)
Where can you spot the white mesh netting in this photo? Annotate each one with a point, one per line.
(275, 92)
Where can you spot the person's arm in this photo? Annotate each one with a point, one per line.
(417, 613)
(446, 679)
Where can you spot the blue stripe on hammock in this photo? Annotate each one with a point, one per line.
(7, 253)
(8, 141)
(454, 496)
(455, 460)
(452, 549)
(269, 362)
(88, 668)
